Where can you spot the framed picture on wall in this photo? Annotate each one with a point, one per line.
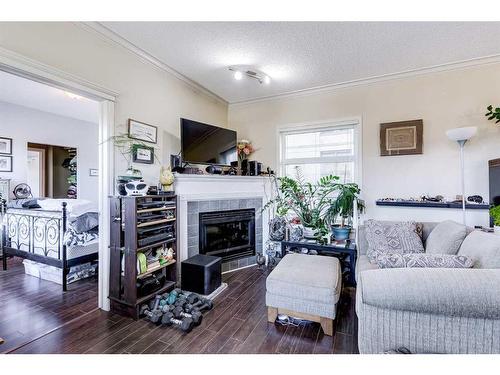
(5, 145)
(5, 163)
(143, 154)
(401, 138)
(142, 131)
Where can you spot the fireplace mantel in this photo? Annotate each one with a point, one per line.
(217, 189)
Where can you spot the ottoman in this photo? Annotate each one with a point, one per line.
(305, 287)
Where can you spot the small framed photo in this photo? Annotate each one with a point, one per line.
(5, 163)
(142, 131)
(143, 154)
(5, 145)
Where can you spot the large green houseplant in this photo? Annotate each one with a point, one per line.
(343, 208)
(313, 203)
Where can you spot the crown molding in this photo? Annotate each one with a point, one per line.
(110, 35)
(488, 60)
(15, 63)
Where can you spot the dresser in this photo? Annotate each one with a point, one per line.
(4, 188)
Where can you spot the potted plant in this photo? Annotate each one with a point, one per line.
(493, 114)
(495, 215)
(307, 201)
(343, 207)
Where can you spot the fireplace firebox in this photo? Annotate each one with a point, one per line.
(227, 234)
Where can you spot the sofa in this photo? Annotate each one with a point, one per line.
(427, 310)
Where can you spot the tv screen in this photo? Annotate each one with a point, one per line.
(207, 144)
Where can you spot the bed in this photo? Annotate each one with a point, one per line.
(52, 234)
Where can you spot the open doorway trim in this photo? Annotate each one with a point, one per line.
(17, 64)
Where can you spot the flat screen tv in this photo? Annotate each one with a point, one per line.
(207, 144)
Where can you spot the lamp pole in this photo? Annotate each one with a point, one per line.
(462, 177)
(461, 136)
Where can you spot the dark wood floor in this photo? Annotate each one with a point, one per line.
(237, 324)
(31, 307)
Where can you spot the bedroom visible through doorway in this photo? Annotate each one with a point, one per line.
(51, 240)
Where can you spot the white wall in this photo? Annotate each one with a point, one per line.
(146, 93)
(443, 100)
(25, 125)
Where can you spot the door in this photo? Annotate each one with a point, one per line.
(36, 171)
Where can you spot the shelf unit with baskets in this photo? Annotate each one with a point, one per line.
(147, 225)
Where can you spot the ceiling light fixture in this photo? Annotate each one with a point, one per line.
(238, 75)
(242, 71)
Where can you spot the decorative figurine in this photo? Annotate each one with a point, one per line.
(166, 178)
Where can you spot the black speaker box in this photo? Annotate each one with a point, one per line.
(201, 274)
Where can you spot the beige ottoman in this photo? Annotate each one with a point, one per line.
(306, 287)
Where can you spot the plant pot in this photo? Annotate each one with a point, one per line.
(309, 233)
(341, 233)
(496, 230)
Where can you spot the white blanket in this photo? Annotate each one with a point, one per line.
(75, 207)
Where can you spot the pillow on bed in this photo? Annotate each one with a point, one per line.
(85, 222)
(24, 203)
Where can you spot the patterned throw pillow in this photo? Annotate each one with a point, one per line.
(398, 238)
(424, 261)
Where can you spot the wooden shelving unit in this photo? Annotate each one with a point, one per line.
(140, 224)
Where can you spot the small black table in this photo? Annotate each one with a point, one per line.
(345, 252)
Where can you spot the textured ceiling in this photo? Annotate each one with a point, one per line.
(31, 94)
(303, 55)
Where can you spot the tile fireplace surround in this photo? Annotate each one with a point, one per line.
(209, 193)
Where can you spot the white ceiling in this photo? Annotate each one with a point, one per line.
(303, 55)
(35, 95)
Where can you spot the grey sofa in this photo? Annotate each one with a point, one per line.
(427, 310)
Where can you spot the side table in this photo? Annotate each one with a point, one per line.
(345, 252)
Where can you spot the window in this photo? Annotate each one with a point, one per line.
(320, 150)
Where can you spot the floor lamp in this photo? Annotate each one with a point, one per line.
(461, 136)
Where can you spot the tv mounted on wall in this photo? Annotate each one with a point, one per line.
(207, 144)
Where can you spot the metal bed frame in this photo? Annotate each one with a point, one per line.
(48, 229)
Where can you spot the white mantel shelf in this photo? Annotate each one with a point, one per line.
(217, 177)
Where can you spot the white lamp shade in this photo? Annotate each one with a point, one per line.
(461, 134)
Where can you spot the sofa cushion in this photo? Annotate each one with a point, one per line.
(446, 238)
(483, 248)
(400, 237)
(306, 277)
(424, 261)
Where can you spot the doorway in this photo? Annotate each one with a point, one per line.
(53, 171)
(22, 67)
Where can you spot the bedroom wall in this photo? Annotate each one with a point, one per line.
(443, 100)
(25, 125)
(146, 93)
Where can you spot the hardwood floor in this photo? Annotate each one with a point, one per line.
(31, 307)
(237, 324)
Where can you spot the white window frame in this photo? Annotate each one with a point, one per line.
(355, 122)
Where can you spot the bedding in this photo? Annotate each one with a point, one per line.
(23, 203)
(85, 222)
(45, 228)
(75, 207)
(74, 238)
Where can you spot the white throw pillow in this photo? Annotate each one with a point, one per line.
(446, 238)
(483, 248)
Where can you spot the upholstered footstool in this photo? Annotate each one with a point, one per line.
(305, 287)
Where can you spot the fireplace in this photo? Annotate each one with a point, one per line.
(227, 234)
